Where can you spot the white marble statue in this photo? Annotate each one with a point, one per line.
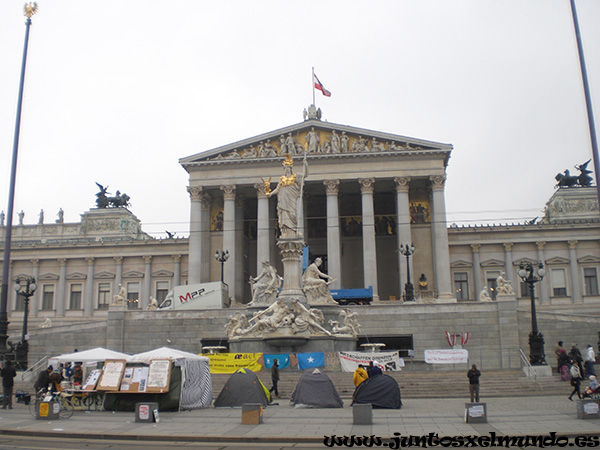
(349, 326)
(484, 296)
(120, 298)
(153, 305)
(335, 142)
(287, 191)
(315, 287)
(237, 325)
(46, 323)
(312, 140)
(265, 286)
(306, 319)
(503, 286)
(275, 316)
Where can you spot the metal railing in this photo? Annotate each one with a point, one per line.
(35, 368)
(528, 365)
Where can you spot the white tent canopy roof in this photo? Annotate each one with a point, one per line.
(94, 354)
(165, 353)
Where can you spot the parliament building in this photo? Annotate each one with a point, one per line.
(366, 195)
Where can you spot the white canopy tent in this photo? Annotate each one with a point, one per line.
(94, 354)
(196, 382)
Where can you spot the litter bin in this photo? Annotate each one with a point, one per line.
(146, 412)
(588, 409)
(47, 410)
(475, 412)
(252, 414)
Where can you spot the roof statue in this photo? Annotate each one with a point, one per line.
(104, 201)
(566, 180)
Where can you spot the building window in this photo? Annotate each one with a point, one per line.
(491, 282)
(524, 288)
(590, 278)
(75, 297)
(559, 282)
(47, 297)
(103, 295)
(461, 286)
(133, 295)
(20, 304)
(162, 289)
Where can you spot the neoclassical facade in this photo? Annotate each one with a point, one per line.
(365, 194)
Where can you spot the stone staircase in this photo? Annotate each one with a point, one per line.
(498, 383)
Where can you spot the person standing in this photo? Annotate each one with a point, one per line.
(8, 374)
(473, 374)
(557, 351)
(590, 359)
(360, 375)
(275, 377)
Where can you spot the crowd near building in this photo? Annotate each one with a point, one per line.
(366, 194)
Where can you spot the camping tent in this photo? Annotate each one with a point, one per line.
(94, 354)
(242, 387)
(190, 386)
(316, 389)
(381, 391)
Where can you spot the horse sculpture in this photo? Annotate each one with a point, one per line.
(104, 201)
(567, 180)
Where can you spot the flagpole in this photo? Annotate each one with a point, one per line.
(313, 84)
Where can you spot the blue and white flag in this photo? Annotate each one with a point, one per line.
(308, 360)
(283, 359)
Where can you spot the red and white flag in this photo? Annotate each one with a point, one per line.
(319, 86)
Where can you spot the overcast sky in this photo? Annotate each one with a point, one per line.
(117, 91)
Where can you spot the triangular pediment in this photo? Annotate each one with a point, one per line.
(133, 274)
(557, 260)
(162, 273)
(525, 261)
(321, 139)
(104, 276)
(589, 259)
(76, 276)
(461, 264)
(48, 277)
(492, 263)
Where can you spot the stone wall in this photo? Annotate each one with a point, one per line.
(496, 330)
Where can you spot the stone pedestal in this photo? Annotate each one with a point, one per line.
(291, 256)
(475, 412)
(538, 371)
(362, 414)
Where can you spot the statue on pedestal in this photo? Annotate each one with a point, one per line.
(315, 287)
(120, 298)
(350, 326)
(287, 191)
(265, 286)
(306, 319)
(503, 286)
(275, 316)
(484, 296)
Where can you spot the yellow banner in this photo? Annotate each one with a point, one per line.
(230, 362)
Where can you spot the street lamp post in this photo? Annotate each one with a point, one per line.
(530, 275)
(222, 256)
(25, 287)
(29, 9)
(409, 289)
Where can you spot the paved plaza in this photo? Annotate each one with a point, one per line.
(510, 416)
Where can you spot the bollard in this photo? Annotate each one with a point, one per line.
(475, 412)
(362, 414)
(252, 414)
(47, 410)
(146, 412)
(588, 408)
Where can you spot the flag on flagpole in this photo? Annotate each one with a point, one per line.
(319, 86)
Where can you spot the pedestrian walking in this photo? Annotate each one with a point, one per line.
(8, 374)
(576, 379)
(473, 374)
(275, 378)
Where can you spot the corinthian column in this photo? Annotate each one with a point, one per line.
(263, 237)
(477, 270)
(576, 296)
(147, 289)
(402, 226)
(61, 288)
(88, 300)
(334, 257)
(367, 186)
(229, 236)
(441, 251)
(199, 242)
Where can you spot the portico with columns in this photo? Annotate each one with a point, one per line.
(361, 201)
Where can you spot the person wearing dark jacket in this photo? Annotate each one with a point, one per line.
(473, 374)
(275, 377)
(43, 379)
(8, 374)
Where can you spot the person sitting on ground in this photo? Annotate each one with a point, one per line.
(360, 375)
(592, 388)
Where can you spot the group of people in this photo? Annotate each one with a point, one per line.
(574, 367)
(51, 379)
(363, 372)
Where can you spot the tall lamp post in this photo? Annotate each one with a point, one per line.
(29, 9)
(25, 287)
(409, 289)
(531, 275)
(222, 257)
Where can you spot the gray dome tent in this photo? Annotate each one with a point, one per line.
(381, 391)
(243, 387)
(316, 389)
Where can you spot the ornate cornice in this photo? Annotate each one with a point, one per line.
(402, 184)
(228, 191)
(195, 193)
(437, 182)
(367, 185)
(332, 187)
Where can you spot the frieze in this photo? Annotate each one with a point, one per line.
(316, 142)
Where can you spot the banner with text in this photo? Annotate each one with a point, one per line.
(454, 356)
(349, 361)
(231, 362)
